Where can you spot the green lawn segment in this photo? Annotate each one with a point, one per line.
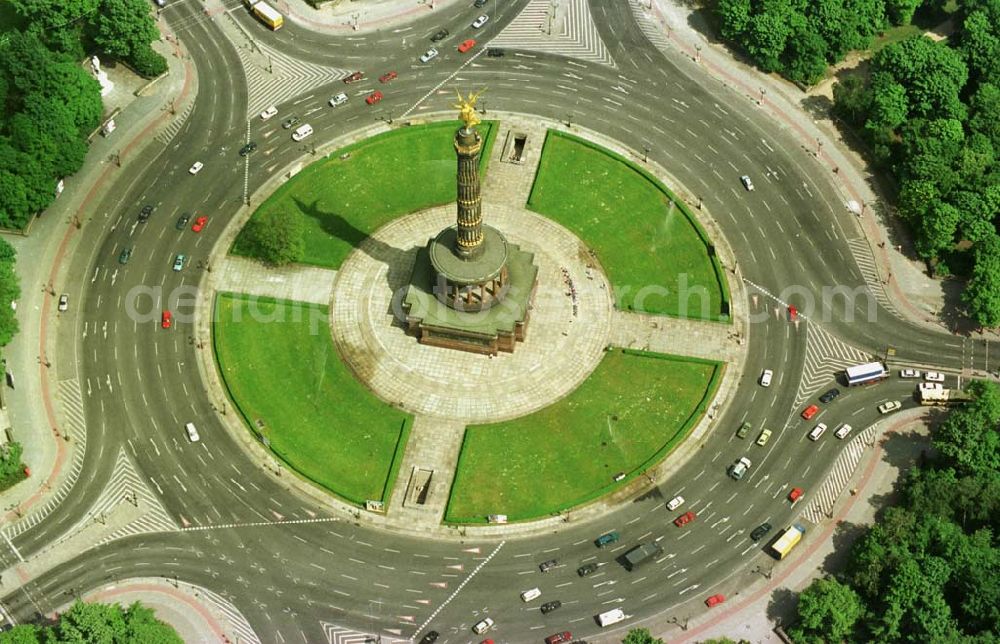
(658, 259)
(633, 410)
(345, 197)
(281, 367)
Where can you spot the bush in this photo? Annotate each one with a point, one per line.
(148, 63)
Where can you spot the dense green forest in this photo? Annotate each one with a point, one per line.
(49, 102)
(929, 569)
(91, 623)
(929, 112)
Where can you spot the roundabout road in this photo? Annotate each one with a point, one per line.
(296, 569)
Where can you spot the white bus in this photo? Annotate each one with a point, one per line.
(864, 374)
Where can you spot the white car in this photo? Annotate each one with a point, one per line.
(192, 433)
(64, 302)
(196, 168)
(745, 180)
(928, 386)
(675, 503)
(338, 100)
(483, 626)
(891, 406)
(843, 430)
(268, 113)
(302, 132)
(934, 376)
(765, 378)
(528, 595)
(909, 373)
(480, 21)
(428, 55)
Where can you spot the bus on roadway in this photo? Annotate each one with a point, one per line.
(787, 541)
(864, 374)
(268, 15)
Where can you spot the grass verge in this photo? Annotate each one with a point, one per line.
(284, 375)
(657, 257)
(632, 411)
(345, 197)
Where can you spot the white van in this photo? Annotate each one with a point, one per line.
(817, 432)
(302, 132)
(611, 617)
(528, 595)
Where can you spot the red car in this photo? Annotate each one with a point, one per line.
(386, 77)
(793, 313)
(165, 319)
(555, 638)
(466, 46)
(355, 77)
(199, 224)
(715, 600)
(810, 411)
(795, 494)
(685, 518)
(374, 97)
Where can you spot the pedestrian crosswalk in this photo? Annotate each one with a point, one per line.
(339, 635)
(821, 501)
(74, 427)
(274, 77)
(862, 253)
(825, 356)
(565, 29)
(168, 133)
(653, 31)
(238, 624)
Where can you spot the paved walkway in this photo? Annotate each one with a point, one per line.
(367, 17)
(298, 283)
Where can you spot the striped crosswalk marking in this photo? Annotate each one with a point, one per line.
(862, 253)
(573, 32)
(339, 635)
(167, 134)
(652, 30)
(74, 426)
(825, 356)
(238, 624)
(823, 499)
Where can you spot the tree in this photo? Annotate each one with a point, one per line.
(932, 75)
(734, 16)
(274, 237)
(124, 26)
(805, 56)
(828, 610)
(20, 634)
(640, 636)
(765, 40)
(10, 290)
(979, 43)
(852, 100)
(984, 112)
(10, 459)
(968, 438)
(84, 623)
(901, 11)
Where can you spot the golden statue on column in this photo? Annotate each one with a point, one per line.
(467, 108)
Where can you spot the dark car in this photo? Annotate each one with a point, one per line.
(183, 220)
(606, 539)
(355, 77)
(494, 52)
(146, 211)
(830, 395)
(248, 148)
(440, 35)
(479, 3)
(546, 566)
(126, 254)
(429, 637)
(548, 607)
(558, 638)
(759, 532)
(583, 571)
(289, 122)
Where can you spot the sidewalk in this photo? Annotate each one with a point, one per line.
(918, 297)
(39, 423)
(347, 17)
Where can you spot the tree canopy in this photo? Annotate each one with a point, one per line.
(92, 623)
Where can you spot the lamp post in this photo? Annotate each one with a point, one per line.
(697, 53)
(763, 92)
(645, 152)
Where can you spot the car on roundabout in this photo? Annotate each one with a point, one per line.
(909, 373)
(685, 519)
(715, 600)
(480, 21)
(747, 183)
(145, 213)
(843, 431)
(934, 376)
(338, 100)
(192, 432)
(183, 220)
(744, 430)
(764, 437)
(388, 76)
(374, 97)
(249, 148)
(268, 113)
(758, 533)
(675, 503)
(64, 302)
(795, 494)
(889, 407)
(125, 255)
(466, 45)
(430, 637)
(196, 168)
(179, 262)
(810, 411)
(354, 78)
(559, 638)
(586, 569)
(765, 378)
(166, 319)
(829, 395)
(607, 539)
(531, 593)
(440, 35)
(546, 566)
(483, 626)
(290, 122)
(548, 607)
(429, 55)
(199, 224)
(739, 469)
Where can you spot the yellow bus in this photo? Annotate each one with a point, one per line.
(787, 541)
(268, 15)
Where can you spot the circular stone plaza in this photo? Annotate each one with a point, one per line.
(479, 329)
